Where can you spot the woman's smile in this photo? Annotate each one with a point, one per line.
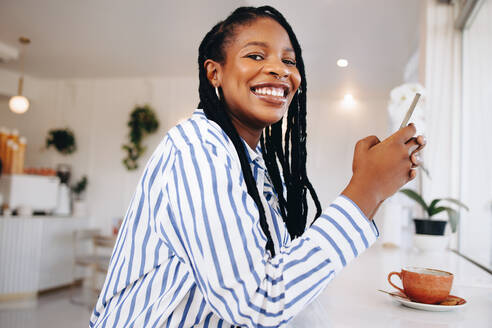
(273, 93)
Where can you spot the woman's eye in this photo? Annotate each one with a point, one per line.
(255, 57)
(289, 62)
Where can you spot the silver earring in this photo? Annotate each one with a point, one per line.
(217, 92)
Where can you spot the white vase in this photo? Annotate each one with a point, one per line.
(79, 208)
(431, 243)
(63, 202)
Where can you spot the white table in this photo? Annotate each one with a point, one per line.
(352, 299)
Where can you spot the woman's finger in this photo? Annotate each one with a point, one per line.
(415, 159)
(412, 174)
(419, 148)
(405, 134)
(412, 146)
(421, 140)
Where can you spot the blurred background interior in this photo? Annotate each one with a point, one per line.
(72, 73)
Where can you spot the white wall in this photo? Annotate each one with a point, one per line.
(98, 110)
(9, 82)
(333, 131)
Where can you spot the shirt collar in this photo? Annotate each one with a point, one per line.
(254, 156)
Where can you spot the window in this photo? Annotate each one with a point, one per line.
(475, 238)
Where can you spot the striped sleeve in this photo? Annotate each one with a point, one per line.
(216, 232)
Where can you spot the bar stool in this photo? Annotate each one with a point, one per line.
(86, 243)
(102, 265)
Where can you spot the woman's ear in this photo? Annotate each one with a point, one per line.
(214, 72)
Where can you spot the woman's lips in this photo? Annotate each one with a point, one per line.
(273, 93)
(275, 100)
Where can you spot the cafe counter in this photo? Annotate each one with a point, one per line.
(352, 299)
(36, 253)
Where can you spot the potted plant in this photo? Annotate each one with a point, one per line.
(79, 205)
(429, 226)
(143, 121)
(429, 232)
(63, 140)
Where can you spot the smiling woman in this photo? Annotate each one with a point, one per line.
(216, 232)
(258, 78)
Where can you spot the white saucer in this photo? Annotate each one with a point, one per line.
(426, 307)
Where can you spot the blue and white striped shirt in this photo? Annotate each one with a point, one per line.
(191, 251)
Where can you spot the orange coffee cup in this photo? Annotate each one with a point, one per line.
(429, 286)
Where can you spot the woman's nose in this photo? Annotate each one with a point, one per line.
(277, 68)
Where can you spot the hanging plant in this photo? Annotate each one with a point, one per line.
(143, 121)
(62, 139)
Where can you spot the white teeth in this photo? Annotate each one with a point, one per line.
(270, 92)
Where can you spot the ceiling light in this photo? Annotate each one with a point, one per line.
(348, 101)
(19, 104)
(342, 62)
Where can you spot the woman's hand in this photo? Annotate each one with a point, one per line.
(381, 168)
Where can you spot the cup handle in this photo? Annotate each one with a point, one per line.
(399, 276)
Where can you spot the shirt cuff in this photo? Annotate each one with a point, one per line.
(372, 223)
(343, 231)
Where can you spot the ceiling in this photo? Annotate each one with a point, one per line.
(155, 38)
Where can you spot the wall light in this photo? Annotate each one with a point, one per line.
(19, 104)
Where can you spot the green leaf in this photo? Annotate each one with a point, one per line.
(457, 202)
(416, 197)
(437, 210)
(143, 121)
(454, 218)
(80, 186)
(432, 205)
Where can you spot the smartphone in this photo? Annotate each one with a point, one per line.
(410, 110)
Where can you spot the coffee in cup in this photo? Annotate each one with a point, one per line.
(429, 286)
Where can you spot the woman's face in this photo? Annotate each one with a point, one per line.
(259, 77)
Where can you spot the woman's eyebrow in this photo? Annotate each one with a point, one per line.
(264, 45)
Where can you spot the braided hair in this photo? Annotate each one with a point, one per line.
(290, 152)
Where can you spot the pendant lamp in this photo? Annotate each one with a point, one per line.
(19, 104)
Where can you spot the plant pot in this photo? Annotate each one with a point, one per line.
(430, 243)
(429, 227)
(79, 208)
